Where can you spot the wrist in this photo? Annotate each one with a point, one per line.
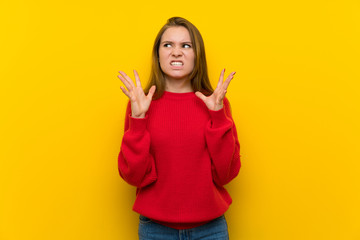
(218, 107)
(138, 116)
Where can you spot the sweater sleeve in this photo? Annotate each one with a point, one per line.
(223, 145)
(135, 163)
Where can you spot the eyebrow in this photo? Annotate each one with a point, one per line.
(172, 42)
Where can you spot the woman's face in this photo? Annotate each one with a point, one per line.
(176, 53)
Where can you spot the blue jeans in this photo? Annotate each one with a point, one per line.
(217, 229)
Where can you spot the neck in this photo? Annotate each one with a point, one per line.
(178, 85)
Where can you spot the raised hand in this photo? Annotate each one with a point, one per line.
(140, 103)
(215, 101)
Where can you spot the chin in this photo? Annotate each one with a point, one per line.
(178, 76)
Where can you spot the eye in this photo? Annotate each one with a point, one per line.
(167, 45)
(187, 45)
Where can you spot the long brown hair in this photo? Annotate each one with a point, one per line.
(199, 76)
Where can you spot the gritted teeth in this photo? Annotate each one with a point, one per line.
(177, 63)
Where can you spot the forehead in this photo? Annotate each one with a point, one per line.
(176, 34)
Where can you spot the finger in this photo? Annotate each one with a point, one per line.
(137, 79)
(123, 78)
(221, 78)
(125, 82)
(125, 92)
(151, 92)
(227, 81)
(200, 95)
(127, 78)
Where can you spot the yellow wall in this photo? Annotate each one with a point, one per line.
(295, 100)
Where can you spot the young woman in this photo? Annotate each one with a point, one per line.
(180, 144)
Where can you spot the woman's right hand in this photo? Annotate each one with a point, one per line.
(139, 102)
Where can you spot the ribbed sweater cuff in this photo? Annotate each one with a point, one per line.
(219, 118)
(137, 125)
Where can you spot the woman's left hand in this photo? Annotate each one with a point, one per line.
(215, 101)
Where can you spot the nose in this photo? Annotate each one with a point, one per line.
(176, 52)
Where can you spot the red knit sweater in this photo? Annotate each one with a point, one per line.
(179, 157)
